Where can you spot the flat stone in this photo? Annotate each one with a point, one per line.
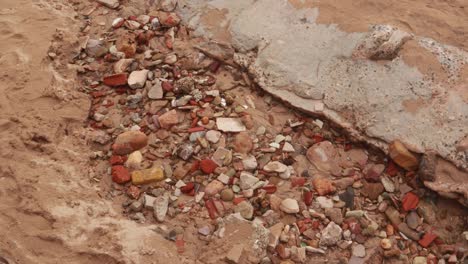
(372, 190)
(243, 143)
(324, 202)
(388, 184)
(359, 251)
(413, 220)
(322, 155)
(149, 201)
(334, 214)
(222, 156)
(205, 230)
(137, 79)
(323, 186)
(156, 91)
(147, 176)
(134, 160)
(331, 234)
(214, 187)
(275, 166)
(109, 3)
(287, 147)
(249, 162)
(161, 205)
(408, 232)
(289, 206)
(234, 254)
(420, 260)
(168, 119)
(245, 209)
(247, 180)
(185, 151)
(230, 124)
(213, 136)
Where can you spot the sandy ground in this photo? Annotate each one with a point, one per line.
(51, 209)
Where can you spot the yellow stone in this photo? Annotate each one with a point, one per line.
(402, 156)
(147, 176)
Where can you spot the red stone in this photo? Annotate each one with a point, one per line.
(281, 250)
(308, 197)
(208, 166)
(354, 227)
(410, 201)
(427, 239)
(238, 200)
(133, 192)
(209, 204)
(297, 181)
(317, 138)
(97, 94)
(167, 86)
(391, 169)
(269, 188)
(120, 174)
(116, 79)
(195, 166)
(187, 188)
(315, 224)
(214, 66)
(117, 160)
(195, 129)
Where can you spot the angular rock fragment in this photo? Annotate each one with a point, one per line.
(230, 124)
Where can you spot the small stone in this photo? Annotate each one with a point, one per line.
(243, 143)
(334, 214)
(413, 220)
(408, 232)
(249, 162)
(388, 184)
(260, 131)
(147, 176)
(224, 178)
(247, 180)
(96, 48)
(287, 147)
(115, 80)
(234, 254)
(247, 121)
(134, 160)
(161, 205)
(402, 156)
(324, 202)
(323, 186)
(427, 239)
(137, 79)
(120, 174)
(275, 166)
(149, 201)
(205, 230)
(372, 172)
(359, 251)
(109, 3)
(208, 166)
(136, 206)
(213, 136)
(156, 91)
(330, 235)
(120, 67)
(322, 155)
(410, 201)
(222, 156)
(289, 206)
(355, 213)
(420, 260)
(372, 190)
(245, 209)
(230, 124)
(214, 187)
(168, 119)
(129, 141)
(185, 151)
(227, 195)
(348, 197)
(386, 243)
(393, 215)
(168, 5)
(171, 58)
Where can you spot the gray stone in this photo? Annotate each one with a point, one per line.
(185, 151)
(408, 232)
(413, 220)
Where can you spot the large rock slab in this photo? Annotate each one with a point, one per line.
(358, 80)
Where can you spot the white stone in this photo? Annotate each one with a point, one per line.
(161, 205)
(109, 3)
(287, 147)
(388, 184)
(149, 201)
(359, 251)
(156, 91)
(180, 184)
(230, 124)
(137, 79)
(324, 202)
(247, 180)
(275, 166)
(289, 206)
(213, 136)
(134, 160)
(223, 178)
(249, 162)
